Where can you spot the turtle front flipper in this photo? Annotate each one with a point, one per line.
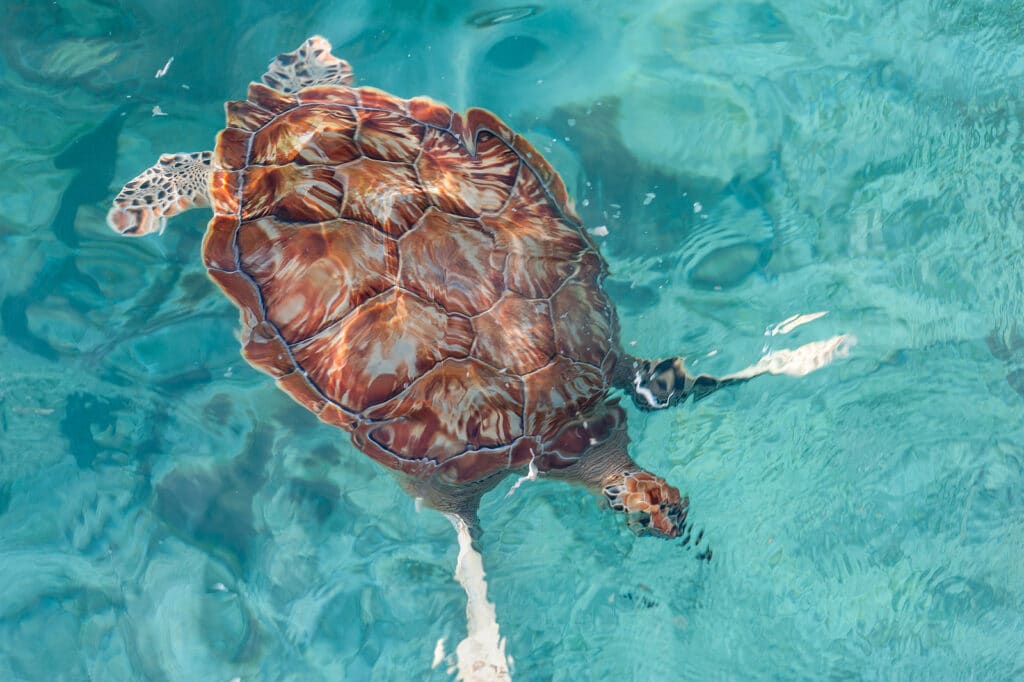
(175, 183)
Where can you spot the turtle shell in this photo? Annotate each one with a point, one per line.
(415, 276)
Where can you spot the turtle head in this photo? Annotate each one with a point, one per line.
(135, 221)
(651, 505)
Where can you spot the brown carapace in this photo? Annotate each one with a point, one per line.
(420, 279)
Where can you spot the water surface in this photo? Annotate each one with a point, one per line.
(167, 514)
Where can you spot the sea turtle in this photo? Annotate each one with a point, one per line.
(421, 279)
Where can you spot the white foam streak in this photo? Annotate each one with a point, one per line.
(438, 653)
(530, 476)
(799, 361)
(794, 321)
(481, 655)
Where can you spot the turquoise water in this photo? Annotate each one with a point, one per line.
(167, 514)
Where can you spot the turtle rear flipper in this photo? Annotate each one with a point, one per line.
(175, 183)
(311, 64)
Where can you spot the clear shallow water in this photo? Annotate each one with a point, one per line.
(167, 514)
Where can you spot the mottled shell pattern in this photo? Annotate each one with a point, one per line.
(415, 276)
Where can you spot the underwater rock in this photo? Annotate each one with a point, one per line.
(1016, 380)
(58, 275)
(189, 621)
(319, 497)
(717, 127)
(80, 49)
(727, 267)
(1008, 345)
(212, 506)
(48, 412)
(614, 183)
(85, 412)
